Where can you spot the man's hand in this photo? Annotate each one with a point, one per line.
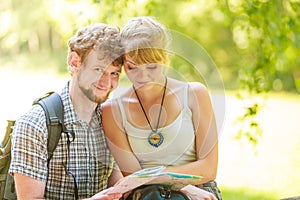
(197, 194)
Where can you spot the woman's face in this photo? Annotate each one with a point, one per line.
(142, 75)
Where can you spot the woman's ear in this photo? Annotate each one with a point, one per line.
(74, 62)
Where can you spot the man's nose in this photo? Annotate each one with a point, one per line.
(104, 80)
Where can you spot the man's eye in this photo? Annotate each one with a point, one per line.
(115, 74)
(98, 69)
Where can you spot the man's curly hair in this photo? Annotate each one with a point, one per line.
(101, 37)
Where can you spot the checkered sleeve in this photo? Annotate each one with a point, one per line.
(29, 145)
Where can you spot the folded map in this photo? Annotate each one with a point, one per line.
(155, 175)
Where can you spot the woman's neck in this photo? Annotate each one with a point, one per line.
(151, 92)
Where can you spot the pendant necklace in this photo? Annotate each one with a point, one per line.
(155, 138)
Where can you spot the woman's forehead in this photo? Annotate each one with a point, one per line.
(129, 59)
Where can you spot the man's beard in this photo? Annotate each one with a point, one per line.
(89, 93)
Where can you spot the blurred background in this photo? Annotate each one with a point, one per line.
(254, 46)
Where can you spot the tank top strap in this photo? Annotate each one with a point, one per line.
(122, 110)
(186, 95)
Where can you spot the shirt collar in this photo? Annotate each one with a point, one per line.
(70, 116)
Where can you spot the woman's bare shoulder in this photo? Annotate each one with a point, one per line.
(109, 103)
(193, 86)
(197, 86)
(198, 92)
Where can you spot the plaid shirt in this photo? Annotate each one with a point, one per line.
(89, 159)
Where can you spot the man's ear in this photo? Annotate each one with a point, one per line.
(74, 62)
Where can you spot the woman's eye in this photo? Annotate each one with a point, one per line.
(151, 67)
(131, 67)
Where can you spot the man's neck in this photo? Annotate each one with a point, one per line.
(83, 106)
(84, 109)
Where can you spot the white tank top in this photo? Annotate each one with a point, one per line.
(178, 146)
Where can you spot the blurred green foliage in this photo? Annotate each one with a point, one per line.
(257, 41)
(254, 43)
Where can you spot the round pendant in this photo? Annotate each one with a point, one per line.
(155, 139)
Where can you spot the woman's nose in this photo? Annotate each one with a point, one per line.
(143, 72)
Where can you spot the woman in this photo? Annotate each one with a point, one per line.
(160, 120)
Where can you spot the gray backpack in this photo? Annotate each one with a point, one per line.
(52, 105)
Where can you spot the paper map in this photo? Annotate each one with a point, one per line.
(154, 175)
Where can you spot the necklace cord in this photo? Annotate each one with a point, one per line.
(161, 105)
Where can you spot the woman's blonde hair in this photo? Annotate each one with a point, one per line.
(145, 40)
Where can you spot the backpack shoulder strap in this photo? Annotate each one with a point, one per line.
(54, 111)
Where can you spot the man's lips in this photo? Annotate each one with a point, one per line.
(99, 88)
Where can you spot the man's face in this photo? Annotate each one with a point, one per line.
(97, 77)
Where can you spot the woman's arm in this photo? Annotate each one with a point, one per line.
(206, 136)
(115, 176)
(117, 138)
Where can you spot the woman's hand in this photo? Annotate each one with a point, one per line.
(197, 194)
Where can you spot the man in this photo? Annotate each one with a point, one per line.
(83, 166)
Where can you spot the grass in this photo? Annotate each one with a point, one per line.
(268, 171)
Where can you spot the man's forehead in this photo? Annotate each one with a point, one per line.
(107, 65)
(111, 67)
(117, 68)
(101, 58)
